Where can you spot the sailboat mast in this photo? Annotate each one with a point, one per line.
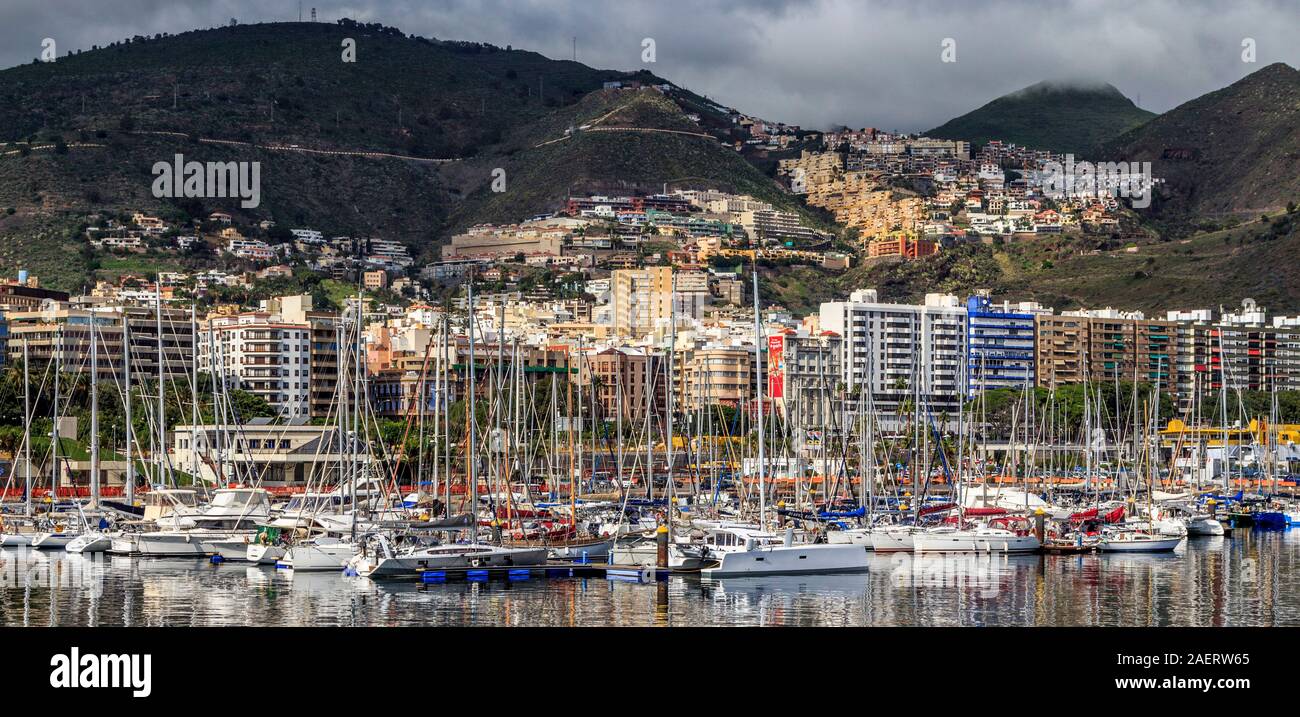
(27, 433)
(126, 400)
(758, 390)
(194, 395)
(669, 456)
(94, 412)
(162, 420)
(54, 435)
(471, 456)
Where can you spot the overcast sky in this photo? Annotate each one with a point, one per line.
(811, 62)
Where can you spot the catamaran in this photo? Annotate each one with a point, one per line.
(745, 550)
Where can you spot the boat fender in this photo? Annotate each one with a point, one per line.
(647, 574)
(475, 562)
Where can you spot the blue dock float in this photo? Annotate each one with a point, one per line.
(630, 573)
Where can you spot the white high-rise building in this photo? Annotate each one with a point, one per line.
(260, 353)
(901, 353)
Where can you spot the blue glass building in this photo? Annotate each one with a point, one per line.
(999, 347)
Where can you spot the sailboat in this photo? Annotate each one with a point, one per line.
(92, 540)
(59, 534)
(745, 550)
(1120, 540)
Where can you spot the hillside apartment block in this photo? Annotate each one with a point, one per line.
(284, 352)
(901, 352)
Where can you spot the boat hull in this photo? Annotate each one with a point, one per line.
(411, 565)
(578, 551)
(852, 536)
(892, 541)
(90, 543)
(1204, 526)
(965, 542)
(1154, 545)
(648, 554)
(18, 540)
(318, 557)
(263, 554)
(790, 560)
(52, 541)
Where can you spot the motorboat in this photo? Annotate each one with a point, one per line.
(302, 511)
(230, 509)
(750, 551)
(224, 528)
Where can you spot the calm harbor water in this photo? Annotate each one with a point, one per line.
(1251, 580)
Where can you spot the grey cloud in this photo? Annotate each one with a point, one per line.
(811, 62)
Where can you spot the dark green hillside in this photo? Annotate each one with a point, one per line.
(1058, 116)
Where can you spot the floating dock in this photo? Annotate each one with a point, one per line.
(553, 569)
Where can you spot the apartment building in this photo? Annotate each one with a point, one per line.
(901, 353)
(640, 299)
(1000, 344)
(1105, 345)
(1242, 350)
(906, 247)
(767, 225)
(285, 352)
(627, 381)
(804, 374)
(494, 242)
(718, 375)
(61, 332)
(26, 293)
(251, 249)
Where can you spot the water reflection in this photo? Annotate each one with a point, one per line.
(1246, 580)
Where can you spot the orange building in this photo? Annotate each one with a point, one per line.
(906, 247)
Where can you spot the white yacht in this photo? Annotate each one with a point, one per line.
(892, 538)
(303, 510)
(1135, 542)
(982, 539)
(224, 528)
(168, 505)
(750, 551)
(850, 536)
